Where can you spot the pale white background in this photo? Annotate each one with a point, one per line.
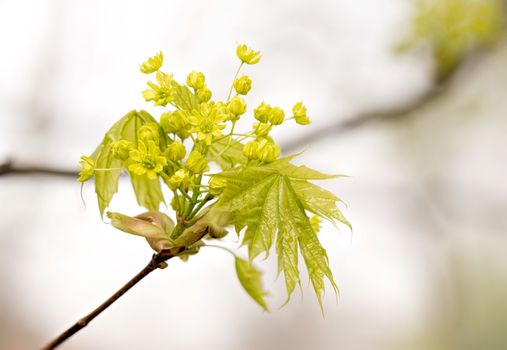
(426, 197)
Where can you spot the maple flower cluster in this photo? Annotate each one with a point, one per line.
(204, 121)
(218, 176)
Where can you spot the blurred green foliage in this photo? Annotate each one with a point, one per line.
(452, 29)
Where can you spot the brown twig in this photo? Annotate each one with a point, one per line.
(157, 261)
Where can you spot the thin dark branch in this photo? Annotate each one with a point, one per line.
(9, 168)
(157, 261)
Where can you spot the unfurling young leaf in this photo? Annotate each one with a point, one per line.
(251, 280)
(154, 226)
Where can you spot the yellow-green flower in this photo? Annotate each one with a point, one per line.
(247, 55)
(268, 151)
(276, 116)
(299, 111)
(250, 149)
(176, 122)
(195, 80)
(196, 162)
(148, 131)
(121, 149)
(163, 93)
(153, 63)
(242, 85)
(175, 151)
(208, 122)
(87, 169)
(262, 149)
(237, 106)
(217, 185)
(203, 94)
(147, 159)
(180, 179)
(261, 113)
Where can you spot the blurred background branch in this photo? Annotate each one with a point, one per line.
(9, 168)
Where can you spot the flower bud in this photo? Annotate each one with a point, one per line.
(121, 149)
(262, 112)
(177, 202)
(276, 116)
(217, 185)
(268, 151)
(166, 122)
(174, 122)
(237, 106)
(261, 129)
(175, 151)
(183, 133)
(195, 80)
(203, 94)
(148, 132)
(180, 179)
(196, 162)
(250, 149)
(242, 85)
(247, 55)
(87, 169)
(152, 64)
(302, 120)
(299, 111)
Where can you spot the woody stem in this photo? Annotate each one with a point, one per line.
(157, 261)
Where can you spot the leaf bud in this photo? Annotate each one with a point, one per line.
(195, 80)
(242, 85)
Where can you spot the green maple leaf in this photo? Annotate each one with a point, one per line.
(271, 201)
(148, 192)
(184, 98)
